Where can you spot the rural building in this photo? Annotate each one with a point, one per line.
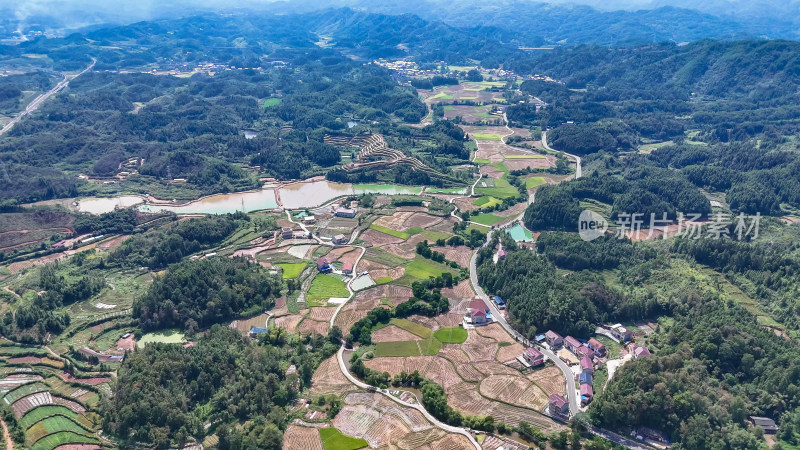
(345, 212)
(639, 352)
(557, 405)
(347, 267)
(478, 303)
(353, 204)
(585, 378)
(501, 255)
(587, 393)
(478, 316)
(587, 365)
(255, 331)
(340, 239)
(301, 235)
(766, 424)
(292, 370)
(533, 356)
(598, 347)
(572, 344)
(323, 266)
(309, 220)
(286, 232)
(621, 333)
(553, 339)
(499, 302)
(585, 351)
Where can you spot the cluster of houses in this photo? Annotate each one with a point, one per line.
(325, 267)
(290, 233)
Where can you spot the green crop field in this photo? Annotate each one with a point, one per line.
(291, 271)
(496, 187)
(430, 347)
(487, 201)
(486, 136)
(42, 412)
(397, 348)
(455, 335)
(481, 161)
(434, 236)
(383, 280)
(166, 337)
(424, 269)
(532, 182)
(486, 219)
(324, 287)
(333, 439)
(269, 102)
(412, 327)
(443, 96)
(54, 440)
(386, 230)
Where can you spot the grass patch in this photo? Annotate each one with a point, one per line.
(429, 347)
(434, 236)
(270, 102)
(443, 96)
(496, 187)
(384, 280)
(487, 201)
(386, 230)
(291, 271)
(455, 335)
(333, 439)
(481, 161)
(397, 349)
(449, 108)
(65, 437)
(424, 269)
(387, 301)
(166, 337)
(412, 327)
(532, 182)
(486, 136)
(486, 219)
(325, 286)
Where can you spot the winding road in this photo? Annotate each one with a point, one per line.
(578, 172)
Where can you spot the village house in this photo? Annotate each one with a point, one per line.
(558, 406)
(323, 265)
(766, 424)
(286, 232)
(533, 356)
(309, 220)
(553, 339)
(638, 351)
(347, 268)
(572, 344)
(587, 393)
(598, 347)
(585, 378)
(340, 239)
(501, 255)
(621, 333)
(478, 316)
(255, 331)
(585, 351)
(587, 365)
(345, 212)
(499, 302)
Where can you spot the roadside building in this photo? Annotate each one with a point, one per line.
(639, 351)
(585, 352)
(554, 339)
(347, 268)
(598, 347)
(557, 405)
(586, 378)
(477, 303)
(286, 232)
(572, 344)
(345, 212)
(766, 424)
(478, 316)
(587, 365)
(533, 356)
(309, 220)
(340, 239)
(499, 302)
(587, 393)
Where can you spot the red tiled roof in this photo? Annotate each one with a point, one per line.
(642, 351)
(552, 335)
(347, 266)
(478, 303)
(478, 312)
(533, 353)
(586, 363)
(572, 341)
(586, 390)
(594, 343)
(557, 400)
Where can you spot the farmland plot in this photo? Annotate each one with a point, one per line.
(550, 379)
(301, 438)
(328, 379)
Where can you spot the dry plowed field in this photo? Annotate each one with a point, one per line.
(550, 379)
(329, 379)
(494, 331)
(509, 353)
(301, 438)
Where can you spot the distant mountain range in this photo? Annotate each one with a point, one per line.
(522, 22)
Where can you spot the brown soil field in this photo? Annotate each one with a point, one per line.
(322, 313)
(466, 398)
(347, 318)
(421, 220)
(244, 325)
(378, 239)
(495, 368)
(301, 438)
(469, 113)
(515, 390)
(289, 322)
(509, 352)
(329, 379)
(18, 267)
(550, 379)
(366, 264)
(337, 253)
(465, 204)
(451, 442)
(541, 163)
(392, 333)
(126, 344)
(395, 221)
(433, 367)
(419, 440)
(491, 172)
(459, 306)
(460, 255)
(469, 373)
(379, 427)
(113, 243)
(514, 211)
(449, 320)
(479, 348)
(496, 332)
(454, 353)
(521, 132)
(386, 364)
(445, 226)
(309, 326)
